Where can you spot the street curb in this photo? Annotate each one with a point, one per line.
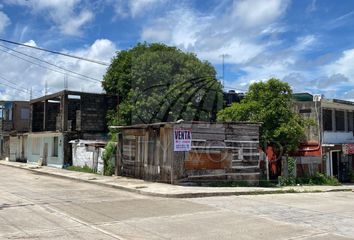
(72, 178)
(177, 195)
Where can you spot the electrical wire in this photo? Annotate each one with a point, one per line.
(58, 53)
(84, 77)
(21, 89)
(15, 84)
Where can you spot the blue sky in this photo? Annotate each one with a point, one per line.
(308, 43)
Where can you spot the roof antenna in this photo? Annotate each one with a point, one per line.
(46, 88)
(30, 92)
(66, 83)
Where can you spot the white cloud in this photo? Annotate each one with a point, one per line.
(140, 6)
(249, 38)
(135, 8)
(181, 27)
(31, 43)
(228, 30)
(254, 13)
(156, 34)
(68, 15)
(305, 42)
(101, 49)
(312, 6)
(72, 25)
(237, 51)
(343, 65)
(4, 21)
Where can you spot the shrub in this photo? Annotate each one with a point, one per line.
(110, 151)
(290, 180)
(286, 181)
(317, 179)
(321, 179)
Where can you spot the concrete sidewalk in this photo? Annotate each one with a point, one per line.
(167, 190)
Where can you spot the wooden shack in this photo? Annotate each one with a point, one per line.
(214, 152)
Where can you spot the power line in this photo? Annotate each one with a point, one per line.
(5, 79)
(14, 55)
(49, 63)
(21, 89)
(58, 53)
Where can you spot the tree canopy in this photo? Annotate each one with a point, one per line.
(271, 103)
(156, 82)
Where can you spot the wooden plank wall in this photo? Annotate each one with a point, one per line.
(148, 152)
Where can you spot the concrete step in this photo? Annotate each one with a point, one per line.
(243, 162)
(244, 169)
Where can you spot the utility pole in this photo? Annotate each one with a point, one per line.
(223, 56)
(223, 70)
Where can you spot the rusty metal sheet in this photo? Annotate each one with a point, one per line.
(206, 160)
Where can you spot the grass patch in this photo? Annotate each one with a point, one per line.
(317, 179)
(85, 169)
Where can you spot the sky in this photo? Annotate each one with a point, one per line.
(307, 43)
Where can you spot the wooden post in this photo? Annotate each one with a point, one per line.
(118, 167)
(267, 167)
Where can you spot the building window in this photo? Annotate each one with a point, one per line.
(327, 120)
(339, 120)
(25, 112)
(35, 146)
(55, 147)
(350, 121)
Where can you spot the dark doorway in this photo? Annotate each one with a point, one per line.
(335, 163)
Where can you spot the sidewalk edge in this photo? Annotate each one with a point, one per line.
(177, 195)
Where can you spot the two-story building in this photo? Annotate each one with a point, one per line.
(58, 118)
(330, 142)
(231, 97)
(14, 123)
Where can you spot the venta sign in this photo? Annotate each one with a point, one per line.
(182, 140)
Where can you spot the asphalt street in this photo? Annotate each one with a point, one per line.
(34, 206)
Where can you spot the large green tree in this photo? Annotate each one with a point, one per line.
(156, 82)
(271, 103)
